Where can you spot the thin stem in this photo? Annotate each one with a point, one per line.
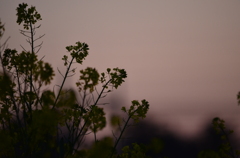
(85, 123)
(64, 79)
(95, 136)
(231, 152)
(125, 125)
(32, 47)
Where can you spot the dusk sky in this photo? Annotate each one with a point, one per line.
(183, 56)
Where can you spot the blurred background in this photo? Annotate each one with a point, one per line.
(181, 56)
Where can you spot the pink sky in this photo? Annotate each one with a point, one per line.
(181, 55)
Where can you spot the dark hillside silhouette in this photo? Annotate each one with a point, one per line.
(173, 145)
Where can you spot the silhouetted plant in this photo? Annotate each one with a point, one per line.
(225, 150)
(38, 122)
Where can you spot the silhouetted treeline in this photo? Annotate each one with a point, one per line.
(173, 145)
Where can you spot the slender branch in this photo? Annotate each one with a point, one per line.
(32, 47)
(38, 37)
(64, 79)
(60, 72)
(95, 134)
(85, 123)
(23, 33)
(125, 125)
(84, 97)
(71, 75)
(40, 46)
(23, 48)
(4, 45)
(124, 128)
(38, 99)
